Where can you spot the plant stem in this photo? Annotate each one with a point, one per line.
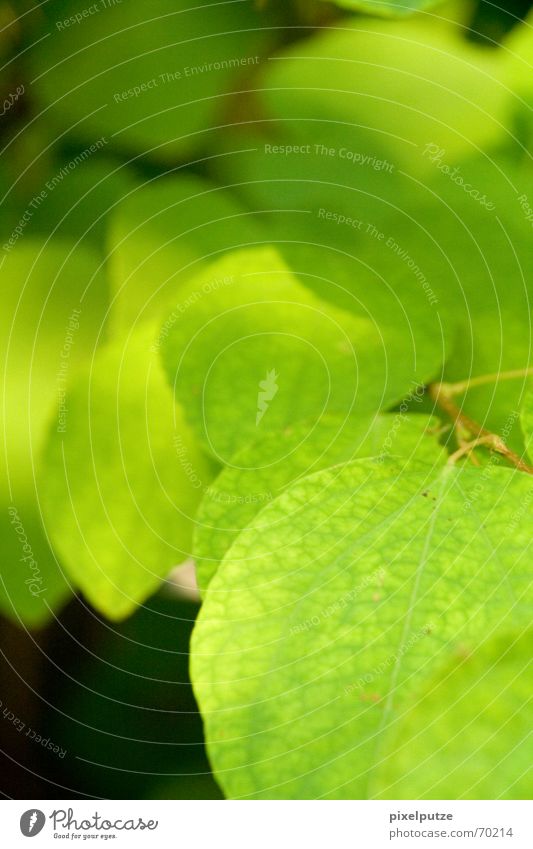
(483, 379)
(465, 428)
(466, 448)
(440, 393)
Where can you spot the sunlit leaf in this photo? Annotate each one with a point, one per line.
(264, 468)
(322, 630)
(468, 732)
(54, 304)
(391, 85)
(122, 479)
(387, 7)
(248, 348)
(450, 254)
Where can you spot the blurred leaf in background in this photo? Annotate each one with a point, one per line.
(161, 235)
(121, 479)
(151, 80)
(53, 318)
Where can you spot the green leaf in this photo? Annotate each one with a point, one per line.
(151, 79)
(55, 300)
(490, 253)
(398, 86)
(122, 479)
(33, 585)
(469, 730)
(519, 61)
(319, 632)
(519, 77)
(392, 8)
(355, 236)
(248, 349)
(449, 256)
(267, 465)
(526, 418)
(163, 234)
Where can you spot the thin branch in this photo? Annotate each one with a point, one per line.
(469, 433)
(466, 448)
(439, 392)
(483, 379)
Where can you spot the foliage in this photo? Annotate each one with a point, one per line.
(388, 7)
(265, 466)
(141, 81)
(55, 301)
(120, 444)
(352, 589)
(267, 304)
(257, 316)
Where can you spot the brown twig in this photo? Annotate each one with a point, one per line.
(468, 432)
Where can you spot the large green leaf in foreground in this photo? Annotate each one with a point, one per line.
(267, 465)
(54, 302)
(248, 349)
(319, 633)
(122, 480)
(469, 730)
